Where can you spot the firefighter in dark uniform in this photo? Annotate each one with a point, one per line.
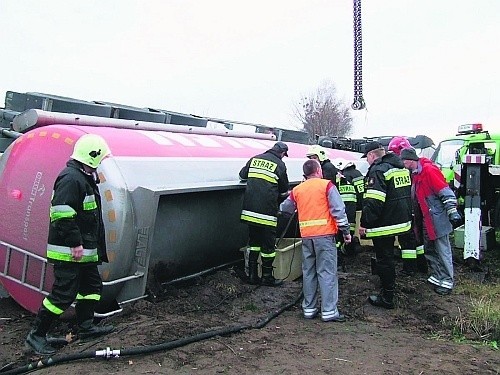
(76, 245)
(387, 212)
(412, 251)
(267, 186)
(329, 170)
(356, 178)
(350, 183)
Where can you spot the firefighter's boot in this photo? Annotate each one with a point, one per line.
(57, 341)
(85, 318)
(253, 270)
(383, 299)
(422, 264)
(409, 267)
(37, 338)
(267, 273)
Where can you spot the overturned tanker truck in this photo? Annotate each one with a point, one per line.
(171, 200)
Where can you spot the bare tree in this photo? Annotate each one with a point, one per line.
(322, 113)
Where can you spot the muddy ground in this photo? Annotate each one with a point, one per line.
(218, 324)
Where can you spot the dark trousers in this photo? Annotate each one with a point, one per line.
(384, 250)
(74, 281)
(263, 238)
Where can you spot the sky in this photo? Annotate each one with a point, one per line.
(428, 65)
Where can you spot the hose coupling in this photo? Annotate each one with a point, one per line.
(107, 353)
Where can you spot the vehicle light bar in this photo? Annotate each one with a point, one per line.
(470, 128)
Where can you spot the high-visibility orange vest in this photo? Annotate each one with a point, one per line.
(311, 197)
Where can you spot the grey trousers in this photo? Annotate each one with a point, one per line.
(438, 253)
(319, 270)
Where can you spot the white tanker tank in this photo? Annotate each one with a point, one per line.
(171, 200)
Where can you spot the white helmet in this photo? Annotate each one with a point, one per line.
(341, 164)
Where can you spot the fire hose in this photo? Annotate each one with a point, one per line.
(109, 353)
(290, 220)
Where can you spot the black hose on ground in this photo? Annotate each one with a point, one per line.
(275, 313)
(110, 353)
(50, 361)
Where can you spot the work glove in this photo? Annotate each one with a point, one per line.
(455, 219)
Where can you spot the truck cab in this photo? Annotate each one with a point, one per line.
(470, 162)
(470, 139)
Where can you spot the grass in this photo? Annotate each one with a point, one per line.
(482, 319)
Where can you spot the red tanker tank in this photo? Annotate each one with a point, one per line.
(171, 201)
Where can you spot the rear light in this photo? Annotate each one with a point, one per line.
(470, 128)
(16, 194)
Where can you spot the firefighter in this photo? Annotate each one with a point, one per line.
(386, 213)
(267, 186)
(328, 169)
(354, 177)
(348, 194)
(76, 245)
(321, 215)
(436, 216)
(412, 252)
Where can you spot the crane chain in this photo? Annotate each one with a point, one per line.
(359, 102)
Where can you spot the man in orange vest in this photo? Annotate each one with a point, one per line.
(321, 214)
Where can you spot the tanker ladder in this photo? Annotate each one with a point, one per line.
(7, 272)
(39, 286)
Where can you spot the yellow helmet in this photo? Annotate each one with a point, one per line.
(90, 149)
(318, 151)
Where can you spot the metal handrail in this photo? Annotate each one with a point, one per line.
(27, 253)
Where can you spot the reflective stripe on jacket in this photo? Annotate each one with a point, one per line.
(387, 209)
(311, 197)
(75, 217)
(346, 190)
(267, 185)
(355, 177)
(348, 194)
(63, 253)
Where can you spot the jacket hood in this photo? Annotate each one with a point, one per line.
(391, 159)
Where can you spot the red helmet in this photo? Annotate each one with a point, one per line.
(397, 144)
